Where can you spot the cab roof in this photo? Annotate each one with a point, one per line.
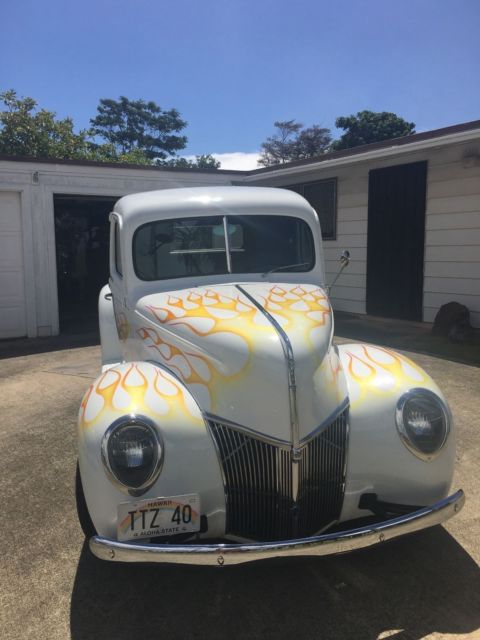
(139, 208)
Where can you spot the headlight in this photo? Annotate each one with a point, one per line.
(423, 422)
(132, 453)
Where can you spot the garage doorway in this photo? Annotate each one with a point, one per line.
(395, 245)
(81, 240)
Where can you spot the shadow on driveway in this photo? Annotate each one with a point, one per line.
(407, 589)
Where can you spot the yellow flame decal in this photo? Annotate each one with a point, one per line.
(381, 371)
(204, 314)
(311, 306)
(105, 395)
(208, 306)
(210, 312)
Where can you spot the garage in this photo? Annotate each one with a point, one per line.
(81, 245)
(12, 278)
(54, 236)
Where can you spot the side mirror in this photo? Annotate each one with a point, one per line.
(344, 262)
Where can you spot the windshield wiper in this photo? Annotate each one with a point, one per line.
(287, 266)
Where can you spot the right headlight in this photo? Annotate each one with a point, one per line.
(132, 453)
(423, 422)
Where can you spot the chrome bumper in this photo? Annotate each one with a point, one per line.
(330, 543)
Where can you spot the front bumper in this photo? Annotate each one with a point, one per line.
(327, 544)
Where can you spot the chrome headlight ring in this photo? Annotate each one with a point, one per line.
(158, 450)
(413, 422)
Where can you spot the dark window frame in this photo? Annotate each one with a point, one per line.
(227, 249)
(300, 188)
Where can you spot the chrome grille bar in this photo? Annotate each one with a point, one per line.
(258, 482)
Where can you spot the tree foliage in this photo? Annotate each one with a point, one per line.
(292, 141)
(204, 161)
(27, 131)
(130, 125)
(124, 131)
(369, 126)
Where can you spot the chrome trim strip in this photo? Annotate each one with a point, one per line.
(292, 388)
(227, 244)
(326, 423)
(290, 359)
(326, 544)
(278, 442)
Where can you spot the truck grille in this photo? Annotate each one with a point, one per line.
(258, 482)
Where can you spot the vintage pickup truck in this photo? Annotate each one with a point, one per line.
(226, 426)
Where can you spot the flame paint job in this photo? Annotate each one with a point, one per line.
(224, 349)
(138, 388)
(376, 373)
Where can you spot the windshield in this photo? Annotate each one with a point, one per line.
(199, 246)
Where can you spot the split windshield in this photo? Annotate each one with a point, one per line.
(199, 246)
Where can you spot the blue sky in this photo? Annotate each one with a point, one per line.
(233, 67)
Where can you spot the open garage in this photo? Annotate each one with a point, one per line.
(81, 244)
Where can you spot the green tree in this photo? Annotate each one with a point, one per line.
(137, 125)
(369, 126)
(292, 141)
(204, 161)
(27, 131)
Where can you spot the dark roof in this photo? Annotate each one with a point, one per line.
(114, 165)
(392, 142)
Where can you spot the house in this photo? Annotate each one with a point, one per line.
(407, 209)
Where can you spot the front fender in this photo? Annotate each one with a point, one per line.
(378, 461)
(190, 462)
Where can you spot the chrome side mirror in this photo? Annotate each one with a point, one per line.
(344, 262)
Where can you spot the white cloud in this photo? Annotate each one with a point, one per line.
(235, 160)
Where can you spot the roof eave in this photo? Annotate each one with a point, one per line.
(373, 154)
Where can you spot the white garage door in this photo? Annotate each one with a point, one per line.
(12, 286)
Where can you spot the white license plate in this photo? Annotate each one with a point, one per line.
(158, 517)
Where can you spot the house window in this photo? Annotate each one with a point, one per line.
(322, 195)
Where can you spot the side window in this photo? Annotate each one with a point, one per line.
(118, 253)
(322, 195)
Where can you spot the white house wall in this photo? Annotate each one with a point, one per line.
(452, 240)
(34, 185)
(452, 234)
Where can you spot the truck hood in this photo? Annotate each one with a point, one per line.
(223, 346)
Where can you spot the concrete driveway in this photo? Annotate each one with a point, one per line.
(427, 585)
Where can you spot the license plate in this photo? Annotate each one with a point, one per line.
(158, 517)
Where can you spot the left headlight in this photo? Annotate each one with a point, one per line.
(423, 422)
(132, 453)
